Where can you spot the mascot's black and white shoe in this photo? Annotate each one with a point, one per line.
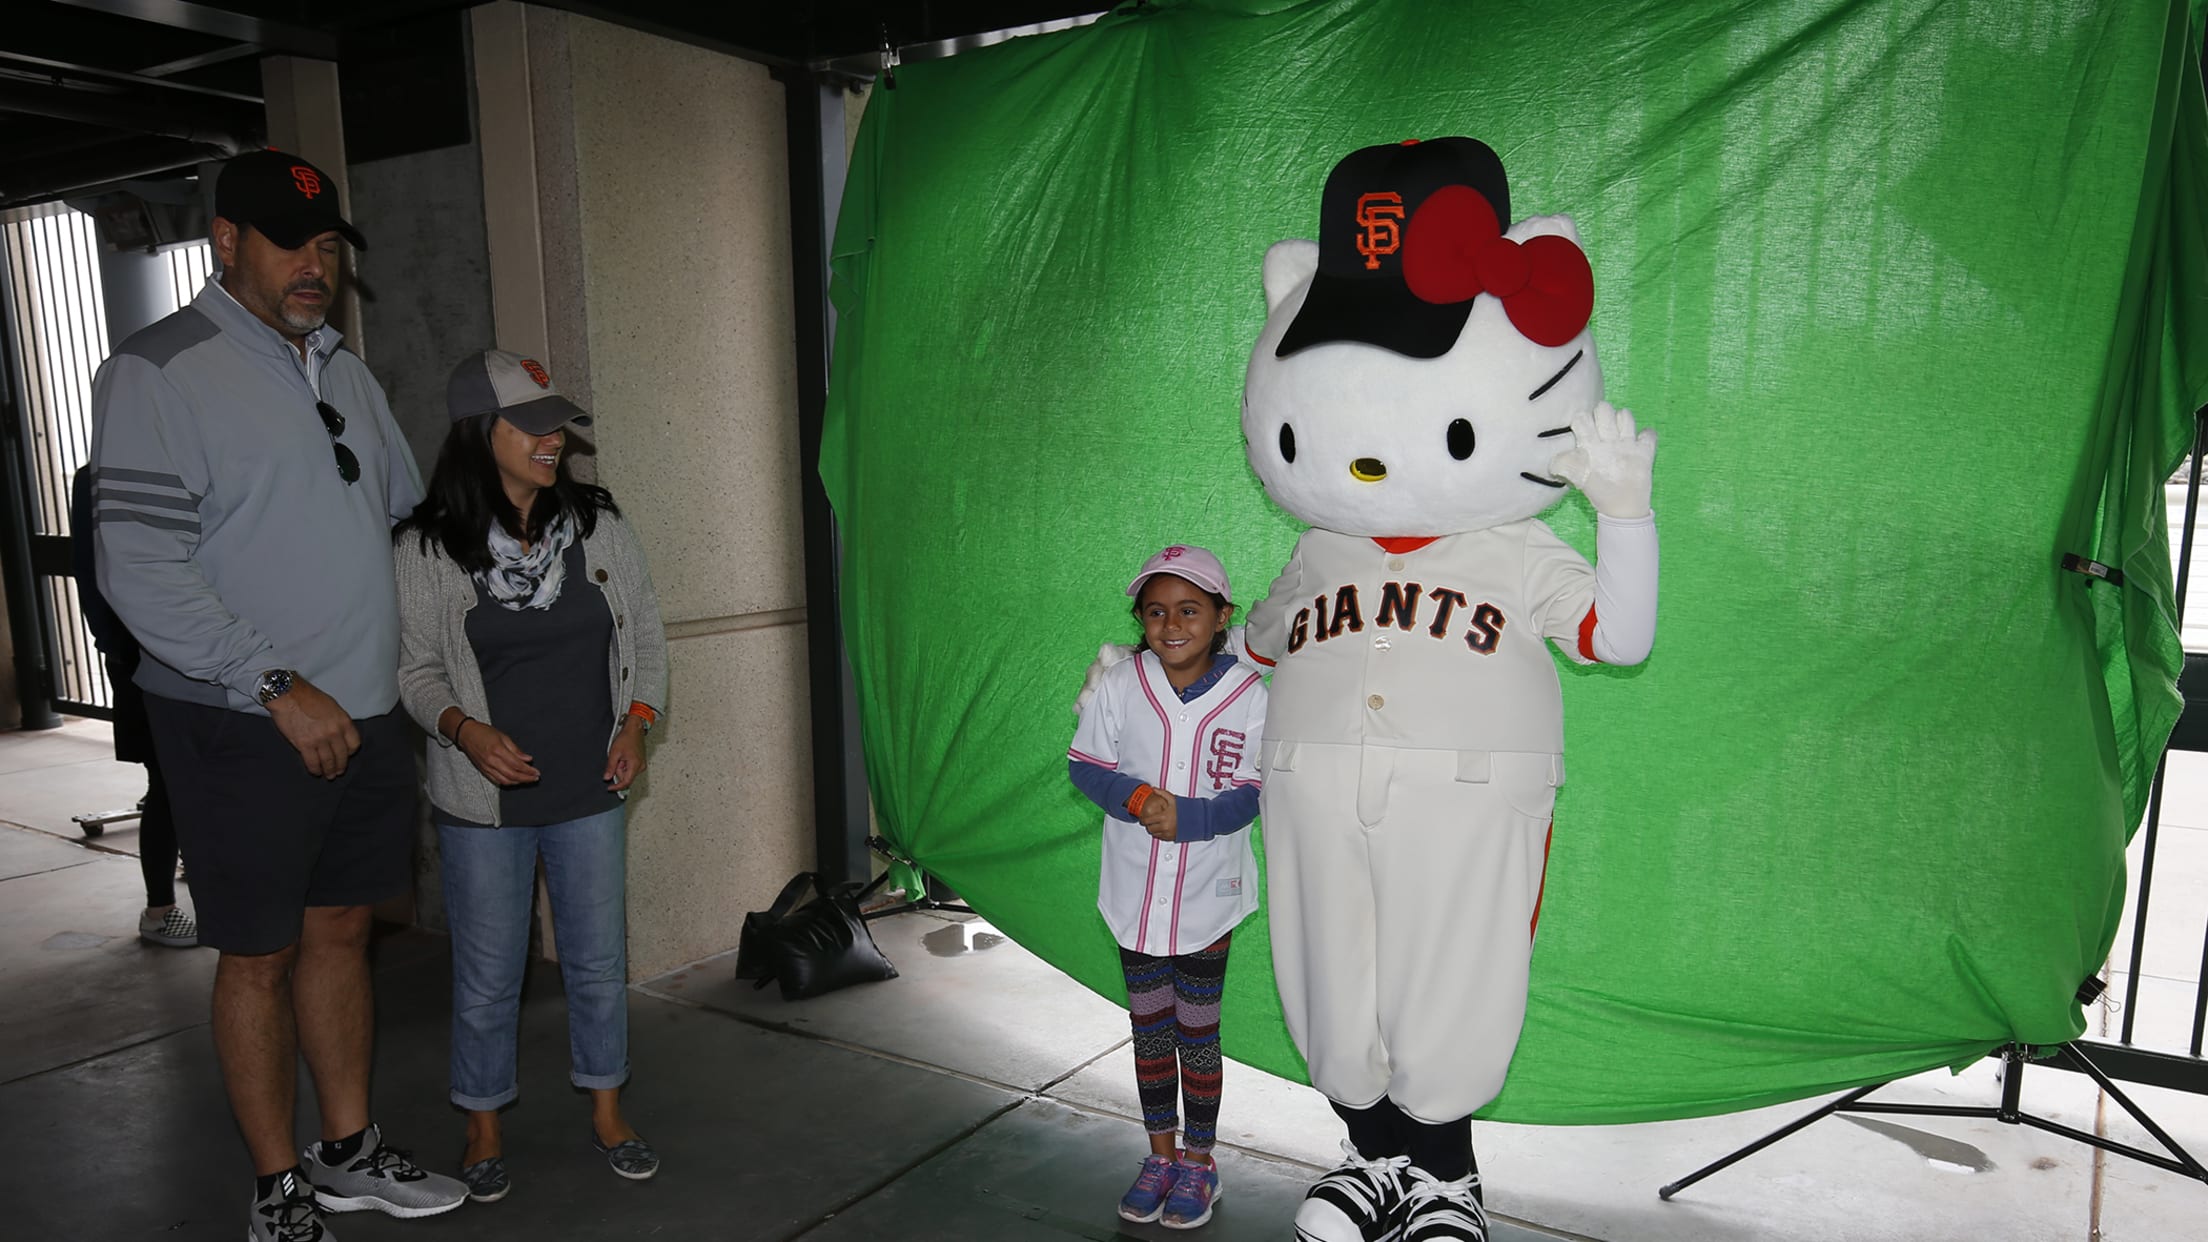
(1439, 1211)
(1360, 1201)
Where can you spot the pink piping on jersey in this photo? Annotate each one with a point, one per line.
(1102, 763)
(1173, 937)
(1195, 760)
(1149, 883)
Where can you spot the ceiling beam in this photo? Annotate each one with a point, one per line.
(221, 55)
(40, 68)
(208, 19)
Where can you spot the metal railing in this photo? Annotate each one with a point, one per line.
(58, 323)
(2161, 1058)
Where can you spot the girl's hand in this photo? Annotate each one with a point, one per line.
(494, 754)
(625, 758)
(1159, 817)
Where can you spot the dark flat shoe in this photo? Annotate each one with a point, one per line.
(487, 1180)
(631, 1158)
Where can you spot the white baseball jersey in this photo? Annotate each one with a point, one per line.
(1163, 897)
(1411, 756)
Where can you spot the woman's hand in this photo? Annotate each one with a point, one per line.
(625, 758)
(1159, 817)
(494, 754)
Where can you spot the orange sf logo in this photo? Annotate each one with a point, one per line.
(536, 372)
(308, 181)
(1379, 217)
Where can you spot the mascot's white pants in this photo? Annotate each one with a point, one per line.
(1403, 887)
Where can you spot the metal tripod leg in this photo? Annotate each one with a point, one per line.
(1768, 1139)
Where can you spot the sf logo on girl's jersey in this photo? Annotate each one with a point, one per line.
(1399, 608)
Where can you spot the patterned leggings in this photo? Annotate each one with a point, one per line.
(1174, 1002)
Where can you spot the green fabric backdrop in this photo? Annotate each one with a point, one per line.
(1914, 294)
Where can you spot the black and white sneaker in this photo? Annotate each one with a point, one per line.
(1360, 1201)
(382, 1178)
(288, 1214)
(1439, 1211)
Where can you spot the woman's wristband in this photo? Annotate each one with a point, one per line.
(465, 721)
(641, 710)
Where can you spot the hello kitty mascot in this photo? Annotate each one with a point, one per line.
(1424, 386)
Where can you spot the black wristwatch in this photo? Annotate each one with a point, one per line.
(274, 684)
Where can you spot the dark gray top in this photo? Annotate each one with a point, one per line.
(543, 671)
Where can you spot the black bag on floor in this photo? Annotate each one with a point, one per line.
(815, 948)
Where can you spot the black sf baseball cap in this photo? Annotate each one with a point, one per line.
(515, 388)
(288, 199)
(1359, 293)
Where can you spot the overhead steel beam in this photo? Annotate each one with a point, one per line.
(38, 181)
(220, 55)
(136, 111)
(41, 68)
(207, 19)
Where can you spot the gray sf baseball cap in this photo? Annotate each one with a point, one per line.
(515, 388)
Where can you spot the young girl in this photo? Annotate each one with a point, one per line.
(1168, 748)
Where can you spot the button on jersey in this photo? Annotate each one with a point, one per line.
(1164, 897)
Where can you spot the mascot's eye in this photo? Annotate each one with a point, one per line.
(1287, 443)
(1460, 439)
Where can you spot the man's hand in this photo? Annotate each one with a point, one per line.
(1159, 817)
(625, 759)
(1611, 461)
(316, 727)
(494, 754)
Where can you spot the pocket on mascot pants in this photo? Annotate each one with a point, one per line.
(1526, 781)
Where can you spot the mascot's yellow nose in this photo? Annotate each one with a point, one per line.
(1368, 470)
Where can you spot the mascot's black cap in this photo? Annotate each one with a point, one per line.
(1359, 293)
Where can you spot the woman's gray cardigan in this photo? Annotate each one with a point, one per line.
(437, 667)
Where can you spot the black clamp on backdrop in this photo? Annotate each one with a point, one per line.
(2092, 569)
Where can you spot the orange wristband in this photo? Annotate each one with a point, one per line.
(1137, 798)
(643, 710)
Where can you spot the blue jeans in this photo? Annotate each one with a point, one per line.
(490, 877)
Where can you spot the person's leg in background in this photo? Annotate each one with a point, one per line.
(162, 922)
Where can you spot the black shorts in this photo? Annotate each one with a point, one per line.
(263, 838)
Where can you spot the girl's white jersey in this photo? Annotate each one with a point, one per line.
(1163, 897)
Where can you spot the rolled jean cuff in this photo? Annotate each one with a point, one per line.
(600, 1082)
(486, 1103)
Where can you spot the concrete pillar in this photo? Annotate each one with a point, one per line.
(657, 289)
(306, 118)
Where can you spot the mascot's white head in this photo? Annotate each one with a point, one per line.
(1422, 360)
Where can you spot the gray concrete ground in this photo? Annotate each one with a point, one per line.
(981, 1095)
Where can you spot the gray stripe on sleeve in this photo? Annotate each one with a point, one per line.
(116, 474)
(185, 503)
(109, 516)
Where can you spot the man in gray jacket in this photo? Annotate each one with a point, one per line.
(247, 475)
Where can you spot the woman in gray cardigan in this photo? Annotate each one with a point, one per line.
(531, 651)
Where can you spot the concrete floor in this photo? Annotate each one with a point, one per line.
(981, 1095)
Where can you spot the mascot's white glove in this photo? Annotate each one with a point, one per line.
(1106, 656)
(1612, 462)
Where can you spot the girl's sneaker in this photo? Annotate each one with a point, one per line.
(1145, 1200)
(1195, 1190)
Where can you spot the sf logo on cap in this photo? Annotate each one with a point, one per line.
(1174, 553)
(536, 372)
(308, 180)
(1379, 221)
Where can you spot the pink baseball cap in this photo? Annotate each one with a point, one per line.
(1185, 561)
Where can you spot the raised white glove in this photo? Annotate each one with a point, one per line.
(1106, 656)
(1611, 461)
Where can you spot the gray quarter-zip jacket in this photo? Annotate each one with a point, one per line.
(227, 542)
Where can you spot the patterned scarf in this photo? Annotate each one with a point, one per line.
(528, 578)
